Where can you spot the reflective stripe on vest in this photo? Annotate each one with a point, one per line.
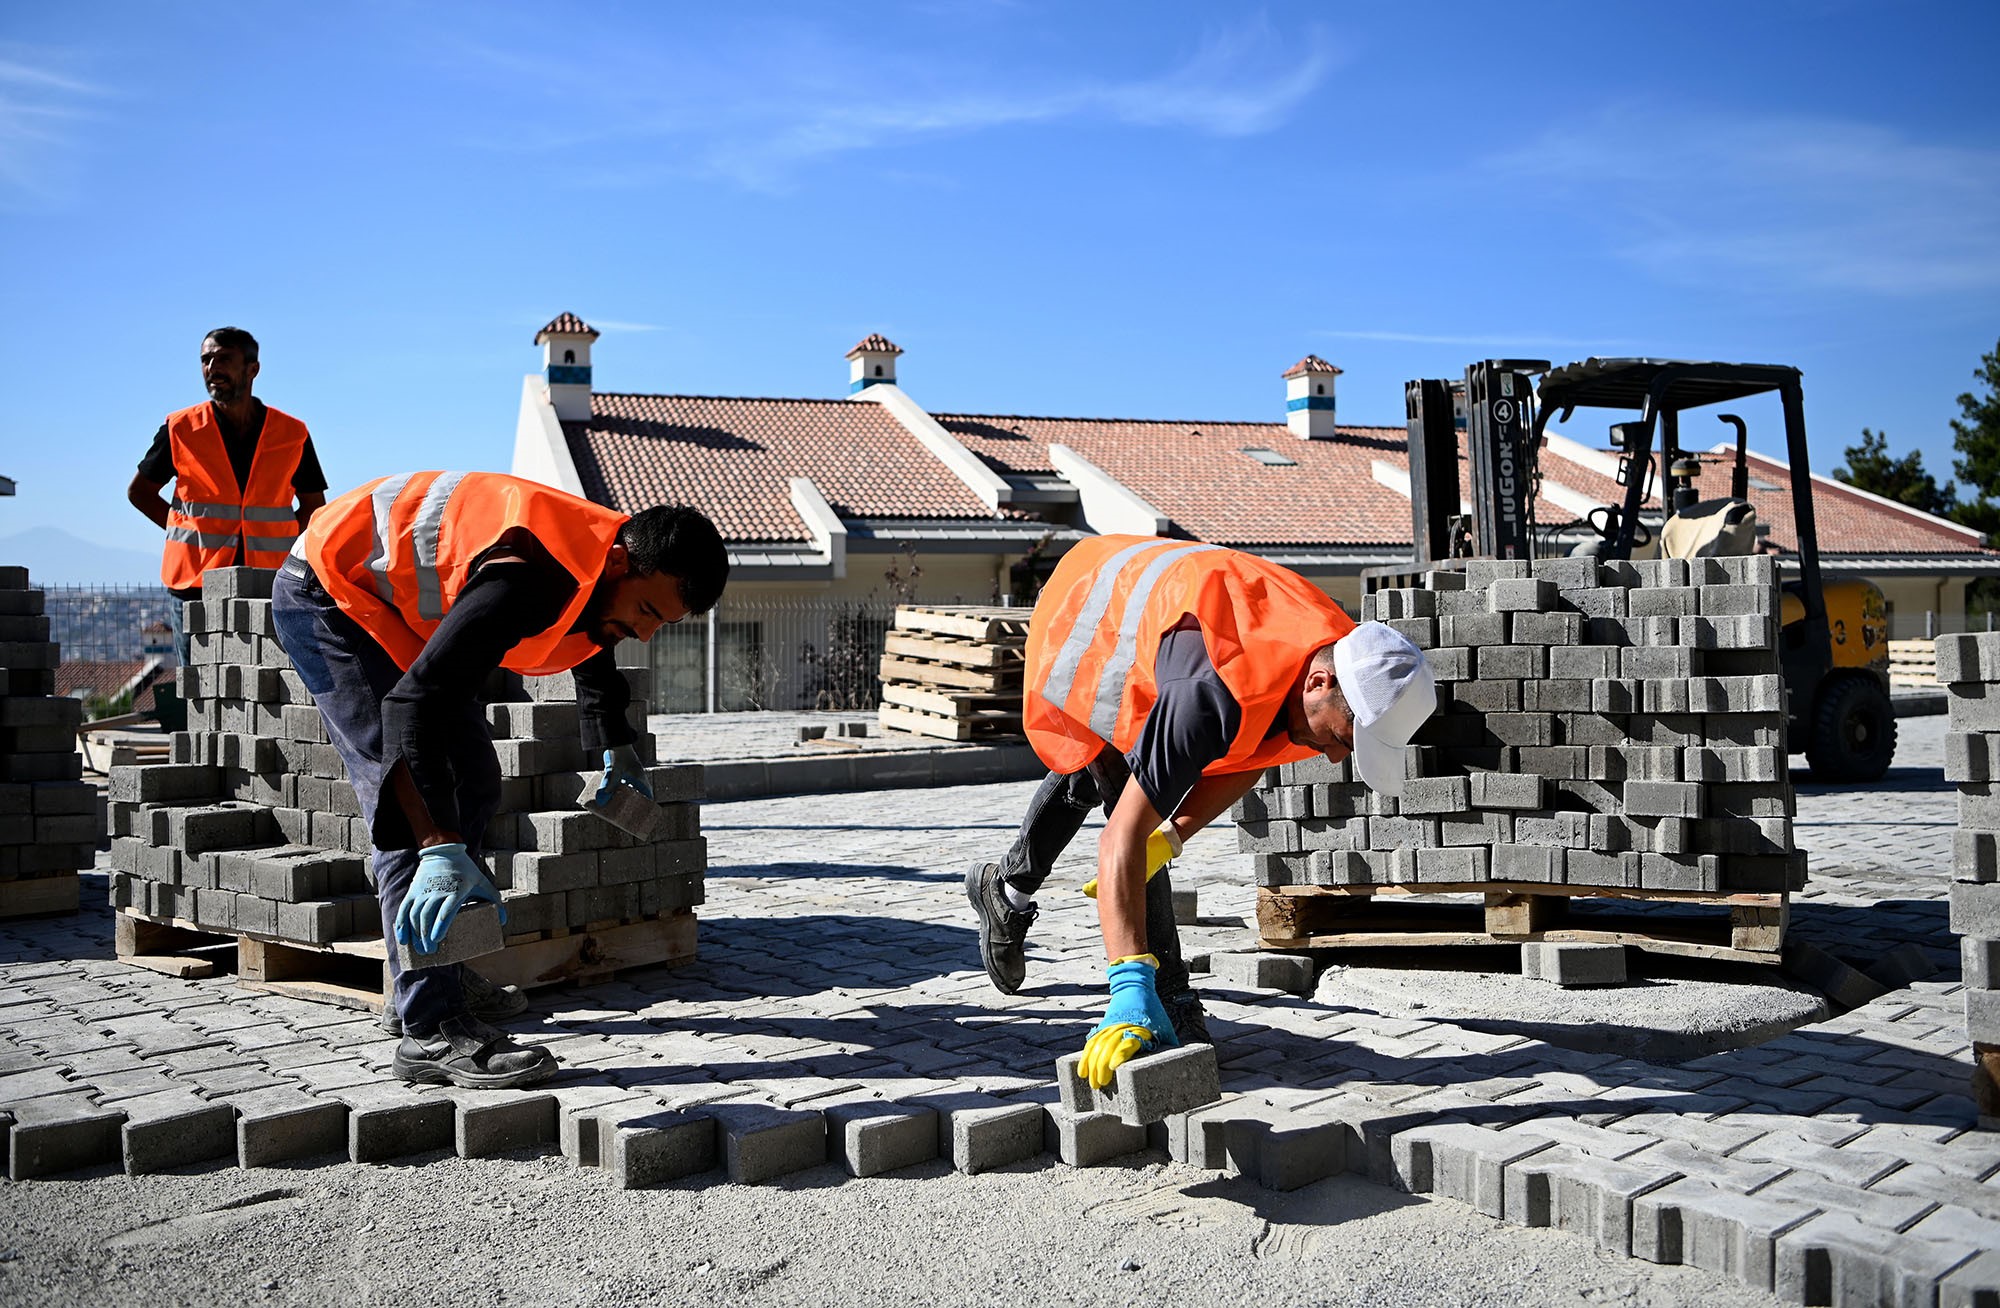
(248, 513)
(429, 523)
(1057, 687)
(380, 501)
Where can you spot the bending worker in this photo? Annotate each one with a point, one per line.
(400, 600)
(237, 465)
(1187, 669)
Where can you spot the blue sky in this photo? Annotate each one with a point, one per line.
(1113, 209)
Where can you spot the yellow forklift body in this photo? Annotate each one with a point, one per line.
(1856, 618)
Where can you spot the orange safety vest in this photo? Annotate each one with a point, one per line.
(1097, 629)
(395, 553)
(209, 511)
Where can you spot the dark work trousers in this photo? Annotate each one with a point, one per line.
(1055, 815)
(348, 674)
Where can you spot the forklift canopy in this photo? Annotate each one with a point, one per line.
(1625, 383)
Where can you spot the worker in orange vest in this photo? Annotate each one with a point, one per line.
(237, 466)
(398, 602)
(1187, 669)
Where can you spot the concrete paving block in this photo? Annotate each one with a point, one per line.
(1979, 960)
(391, 1121)
(1975, 855)
(581, 1110)
(1514, 862)
(872, 1136)
(1293, 1150)
(761, 1142)
(1664, 799)
(1088, 1139)
(1573, 965)
(1695, 1224)
(1836, 1259)
(1975, 909)
(1974, 1283)
(280, 1124)
(1432, 795)
(980, 1132)
(1844, 985)
(648, 1149)
(474, 932)
(1187, 906)
(1149, 1088)
(1506, 791)
(60, 1133)
(1577, 1192)
(1265, 971)
(1905, 963)
(1462, 1161)
(491, 1122)
(173, 1128)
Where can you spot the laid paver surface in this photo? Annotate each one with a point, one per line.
(839, 962)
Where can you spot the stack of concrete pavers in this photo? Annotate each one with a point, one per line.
(49, 819)
(1969, 667)
(253, 829)
(1599, 725)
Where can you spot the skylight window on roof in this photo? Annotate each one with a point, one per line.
(1270, 458)
(1758, 483)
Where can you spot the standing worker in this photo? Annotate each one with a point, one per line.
(400, 600)
(1188, 669)
(237, 465)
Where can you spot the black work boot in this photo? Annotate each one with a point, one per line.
(483, 999)
(465, 1051)
(1171, 982)
(1003, 929)
(1185, 1012)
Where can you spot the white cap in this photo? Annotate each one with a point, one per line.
(1388, 685)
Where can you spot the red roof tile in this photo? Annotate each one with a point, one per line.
(106, 679)
(733, 459)
(874, 343)
(566, 324)
(1310, 364)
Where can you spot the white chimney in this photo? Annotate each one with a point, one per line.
(565, 346)
(1309, 398)
(872, 362)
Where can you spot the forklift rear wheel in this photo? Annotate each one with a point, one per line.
(1854, 731)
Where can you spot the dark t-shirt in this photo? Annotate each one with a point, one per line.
(1191, 725)
(501, 605)
(158, 465)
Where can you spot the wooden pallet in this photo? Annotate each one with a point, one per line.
(954, 673)
(355, 973)
(987, 623)
(1750, 930)
(40, 896)
(1913, 662)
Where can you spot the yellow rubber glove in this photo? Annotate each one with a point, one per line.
(1134, 1023)
(1162, 848)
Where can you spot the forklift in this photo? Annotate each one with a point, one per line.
(1833, 638)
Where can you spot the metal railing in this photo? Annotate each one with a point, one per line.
(1928, 624)
(105, 624)
(791, 653)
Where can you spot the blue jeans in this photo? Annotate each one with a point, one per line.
(348, 673)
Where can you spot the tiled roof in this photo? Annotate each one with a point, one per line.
(566, 324)
(734, 458)
(1311, 363)
(1847, 521)
(106, 679)
(874, 343)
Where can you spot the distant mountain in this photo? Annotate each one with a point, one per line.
(54, 557)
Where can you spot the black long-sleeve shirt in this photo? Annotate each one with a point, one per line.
(432, 719)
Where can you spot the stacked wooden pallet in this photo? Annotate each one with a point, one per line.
(954, 672)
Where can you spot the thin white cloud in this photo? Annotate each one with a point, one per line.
(1495, 338)
(794, 98)
(41, 111)
(1776, 200)
(617, 325)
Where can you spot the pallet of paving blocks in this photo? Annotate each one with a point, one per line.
(50, 823)
(1605, 734)
(1969, 667)
(250, 841)
(954, 673)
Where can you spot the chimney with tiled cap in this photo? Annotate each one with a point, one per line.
(565, 346)
(872, 362)
(1309, 398)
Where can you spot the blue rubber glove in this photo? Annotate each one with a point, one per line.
(621, 768)
(447, 878)
(1133, 1024)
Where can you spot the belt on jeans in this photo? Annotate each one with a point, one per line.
(298, 569)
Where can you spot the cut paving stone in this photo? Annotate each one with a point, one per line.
(1573, 1191)
(388, 1121)
(1088, 1139)
(583, 1109)
(1289, 972)
(61, 1133)
(476, 931)
(1696, 1224)
(282, 1124)
(761, 1142)
(872, 1136)
(980, 1132)
(490, 1122)
(1148, 1088)
(174, 1128)
(655, 1148)
(1571, 965)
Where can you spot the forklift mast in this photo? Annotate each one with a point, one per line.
(1500, 431)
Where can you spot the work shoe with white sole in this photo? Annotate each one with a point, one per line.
(1003, 929)
(483, 999)
(466, 1052)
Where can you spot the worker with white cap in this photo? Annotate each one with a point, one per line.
(1188, 669)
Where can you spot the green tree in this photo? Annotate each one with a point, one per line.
(1904, 480)
(1976, 437)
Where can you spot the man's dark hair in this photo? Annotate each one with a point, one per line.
(676, 539)
(235, 338)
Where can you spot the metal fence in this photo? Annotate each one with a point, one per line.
(106, 624)
(1929, 625)
(793, 653)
